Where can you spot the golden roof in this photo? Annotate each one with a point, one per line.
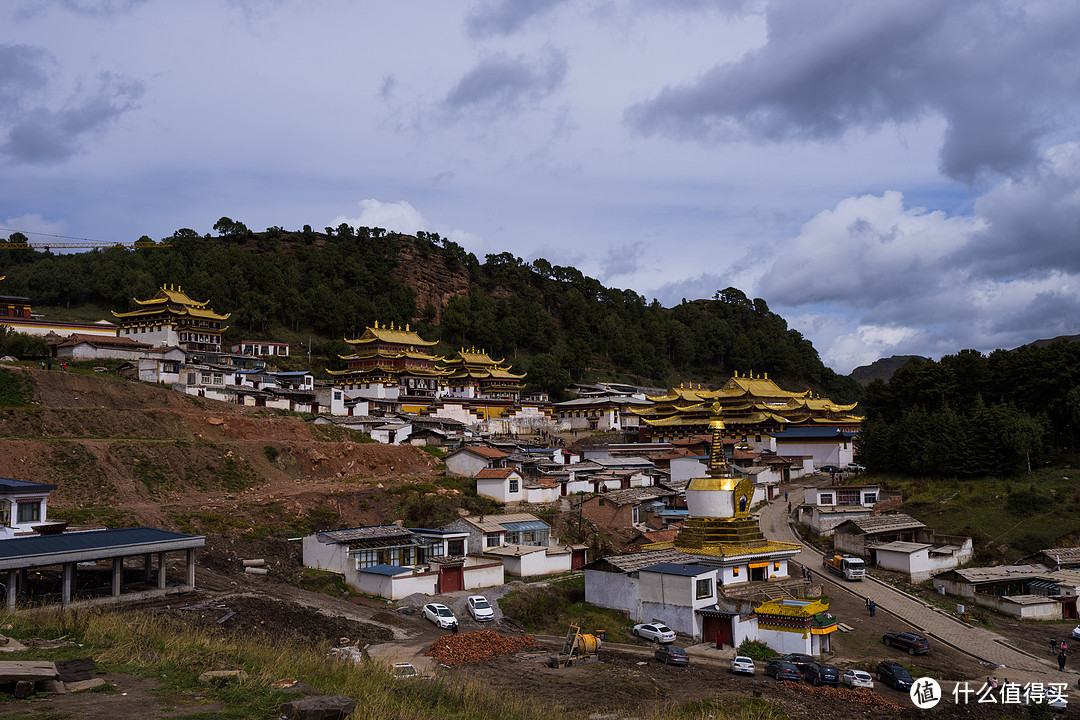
(398, 336)
(792, 608)
(727, 551)
(167, 298)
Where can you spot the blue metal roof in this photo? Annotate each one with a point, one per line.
(678, 569)
(13, 485)
(388, 570)
(527, 525)
(814, 432)
(87, 541)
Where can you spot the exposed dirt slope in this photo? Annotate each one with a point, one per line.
(129, 453)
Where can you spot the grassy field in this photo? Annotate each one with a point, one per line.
(1008, 518)
(155, 647)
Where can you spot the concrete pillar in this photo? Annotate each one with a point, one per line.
(67, 582)
(148, 565)
(191, 568)
(12, 579)
(161, 570)
(117, 575)
(24, 583)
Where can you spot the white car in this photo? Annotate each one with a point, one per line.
(1076, 633)
(742, 664)
(1039, 696)
(655, 631)
(480, 608)
(440, 615)
(857, 679)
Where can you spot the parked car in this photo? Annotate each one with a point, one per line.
(915, 644)
(671, 655)
(440, 615)
(1039, 696)
(828, 469)
(797, 659)
(405, 671)
(782, 670)
(857, 679)
(894, 675)
(657, 632)
(1076, 632)
(480, 608)
(820, 674)
(855, 467)
(742, 665)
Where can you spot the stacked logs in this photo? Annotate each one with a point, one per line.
(857, 696)
(473, 647)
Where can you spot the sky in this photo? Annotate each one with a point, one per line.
(892, 177)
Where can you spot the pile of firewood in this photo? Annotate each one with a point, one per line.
(473, 647)
(858, 696)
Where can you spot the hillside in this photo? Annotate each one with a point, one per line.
(881, 369)
(125, 453)
(553, 322)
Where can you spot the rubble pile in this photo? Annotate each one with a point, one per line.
(473, 647)
(856, 696)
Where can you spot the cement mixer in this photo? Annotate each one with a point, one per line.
(579, 647)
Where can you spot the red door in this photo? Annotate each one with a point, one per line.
(451, 578)
(577, 559)
(716, 628)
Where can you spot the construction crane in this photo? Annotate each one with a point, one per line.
(46, 246)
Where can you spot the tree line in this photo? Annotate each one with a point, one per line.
(554, 322)
(970, 414)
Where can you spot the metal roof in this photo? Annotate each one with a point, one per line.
(13, 485)
(678, 569)
(364, 533)
(388, 570)
(92, 544)
(637, 561)
(885, 523)
(527, 525)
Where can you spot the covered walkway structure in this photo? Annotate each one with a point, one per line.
(68, 550)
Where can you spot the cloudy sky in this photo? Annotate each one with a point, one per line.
(893, 177)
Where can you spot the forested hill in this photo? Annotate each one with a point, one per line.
(552, 321)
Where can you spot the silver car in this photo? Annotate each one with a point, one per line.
(857, 679)
(480, 608)
(440, 615)
(742, 665)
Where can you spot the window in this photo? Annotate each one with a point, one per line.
(30, 511)
(870, 498)
(5, 513)
(704, 588)
(204, 378)
(456, 547)
(491, 540)
(825, 499)
(513, 485)
(735, 572)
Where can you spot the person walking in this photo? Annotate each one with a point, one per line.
(1053, 646)
(873, 608)
(1061, 660)
(868, 607)
(785, 499)
(809, 576)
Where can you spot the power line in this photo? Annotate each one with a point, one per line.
(53, 235)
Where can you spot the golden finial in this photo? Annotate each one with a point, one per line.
(406, 327)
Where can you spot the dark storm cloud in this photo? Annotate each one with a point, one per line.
(1031, 224)
(505, 17)
(22, 72)
(503, 83)
(40, 135)
(1001, 75)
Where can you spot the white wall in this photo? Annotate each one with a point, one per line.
(540, 494)
(686, 468)
(613, 590)
(465, 464)
(481, 576)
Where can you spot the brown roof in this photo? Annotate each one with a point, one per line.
(103, 341)
(495, 473)
(484, 451)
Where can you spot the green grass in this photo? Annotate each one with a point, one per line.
(16, 390)
(174, 655)
(742, 708)
(1008, 518)
(551, 609)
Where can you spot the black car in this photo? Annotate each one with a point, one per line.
(915, 644)
(671, 655)
(829, 469)
(820, 674)
(797, 659)
(782, 670)
(894, 675)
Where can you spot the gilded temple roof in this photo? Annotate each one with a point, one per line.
(172, 299)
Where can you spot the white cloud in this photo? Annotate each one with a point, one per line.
(402, 217)
(37, 228)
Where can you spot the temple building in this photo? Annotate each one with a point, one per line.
(171, 318)
(474, 374)
(393, 367)
(748, 405)
(720, 578)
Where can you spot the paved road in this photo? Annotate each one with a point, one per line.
(979, 643)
